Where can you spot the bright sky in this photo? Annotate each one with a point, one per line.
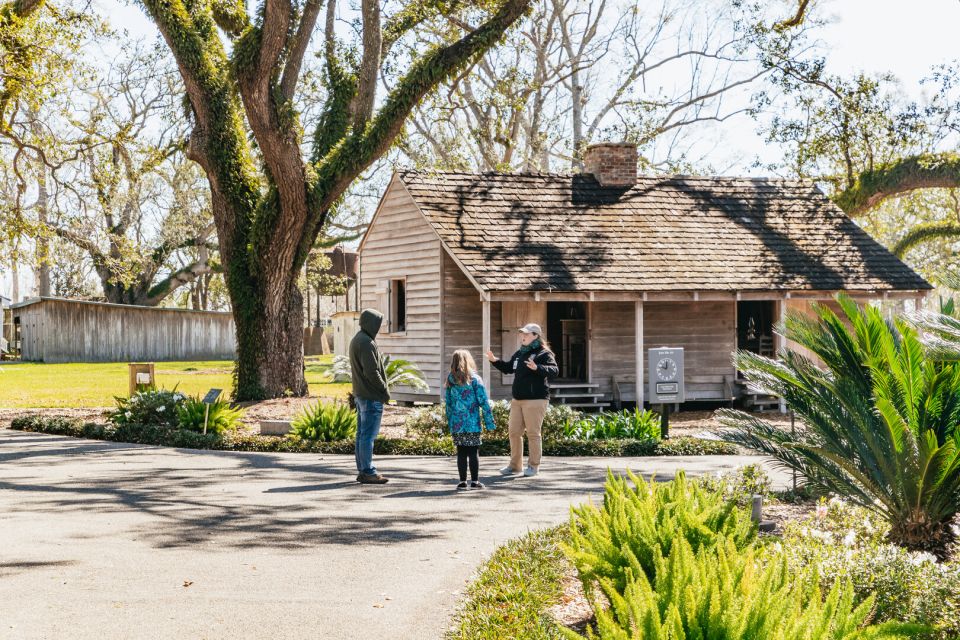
(905, 38)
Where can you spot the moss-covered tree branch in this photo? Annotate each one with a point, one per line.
(18, 54)
(923, 233)
(350, 157)
(412, 15)
(926, 171)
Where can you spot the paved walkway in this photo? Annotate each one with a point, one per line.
(103, 540)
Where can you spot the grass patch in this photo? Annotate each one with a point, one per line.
(514, 589)
(95, 384)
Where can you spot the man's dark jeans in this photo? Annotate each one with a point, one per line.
(369, 414)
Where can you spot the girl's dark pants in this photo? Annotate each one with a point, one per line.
(471, 455)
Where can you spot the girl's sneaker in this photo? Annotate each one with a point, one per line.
(462, 485)
(476, 485)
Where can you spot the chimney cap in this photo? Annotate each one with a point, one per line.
(611, 144)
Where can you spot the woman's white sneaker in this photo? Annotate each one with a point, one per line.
(508, 471)
(530, 472)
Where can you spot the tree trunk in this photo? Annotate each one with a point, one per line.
(15, 273)
(43, 216)
(270, 345)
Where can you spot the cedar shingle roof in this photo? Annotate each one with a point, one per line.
(567, 233)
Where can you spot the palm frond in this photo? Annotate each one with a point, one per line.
(879, 411)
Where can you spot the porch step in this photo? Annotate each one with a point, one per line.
(575, 385)
(761, 402)
(587, 405)
(572, 393)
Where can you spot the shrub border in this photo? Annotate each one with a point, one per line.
(169, 437)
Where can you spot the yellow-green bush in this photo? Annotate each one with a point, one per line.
(725, 593)
(637, 524)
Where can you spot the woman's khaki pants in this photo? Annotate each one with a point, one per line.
(526, 415)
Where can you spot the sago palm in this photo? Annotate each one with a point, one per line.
(880, 418)
(400, 373)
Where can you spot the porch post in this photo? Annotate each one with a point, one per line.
(638, 336)
(781, 343)
(486, 341)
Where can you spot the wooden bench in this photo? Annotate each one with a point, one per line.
(706, 388)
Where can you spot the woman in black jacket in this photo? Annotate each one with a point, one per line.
(532, 366)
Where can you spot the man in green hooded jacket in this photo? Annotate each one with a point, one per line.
(369, 392)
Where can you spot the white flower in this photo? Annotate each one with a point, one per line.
(126, 414)
(821, 511)
(161, 409)
(824, 536)
(850, 538)
(919, 558)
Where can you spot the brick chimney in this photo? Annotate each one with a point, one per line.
(613, 164)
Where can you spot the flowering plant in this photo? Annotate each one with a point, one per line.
(151, 407)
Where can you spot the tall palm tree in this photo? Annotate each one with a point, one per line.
(880, 419)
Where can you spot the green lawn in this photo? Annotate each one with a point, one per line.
(36, 385)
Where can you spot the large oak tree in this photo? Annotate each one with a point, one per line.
(855, 112)
(270, 200)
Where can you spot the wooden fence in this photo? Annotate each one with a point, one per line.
(61, 330)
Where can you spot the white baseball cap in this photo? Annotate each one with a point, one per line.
(531, 328)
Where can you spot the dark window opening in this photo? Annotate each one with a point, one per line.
(755, 320)
(567, 333)
(399, 305)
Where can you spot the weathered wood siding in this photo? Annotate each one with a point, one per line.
(613, 346)
(705, 330)
(57, 330)
(707, 334)
(400, 244)
(463, 324)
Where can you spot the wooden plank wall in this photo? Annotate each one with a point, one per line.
(463, 323)
(75, 331)
(613, 345)
(704, 329)
(401, 244)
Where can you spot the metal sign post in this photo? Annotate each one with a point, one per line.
(665, 375)
(208, 400)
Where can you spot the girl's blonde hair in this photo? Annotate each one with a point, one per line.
(462, 366)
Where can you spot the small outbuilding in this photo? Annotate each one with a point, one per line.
(610, 264)
(63, 330)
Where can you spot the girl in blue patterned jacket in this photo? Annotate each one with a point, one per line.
(466, 398)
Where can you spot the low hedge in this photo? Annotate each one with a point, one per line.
(427, 446)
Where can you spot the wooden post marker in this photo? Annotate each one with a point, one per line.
(141, 377)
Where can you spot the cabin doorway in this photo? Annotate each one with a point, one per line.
(566, 331)
(755, 319)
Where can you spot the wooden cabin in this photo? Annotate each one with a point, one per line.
(610, 264)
